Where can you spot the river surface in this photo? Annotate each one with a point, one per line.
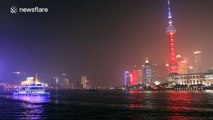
(110, 105)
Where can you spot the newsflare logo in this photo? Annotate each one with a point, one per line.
(36, 9)
(13, 9)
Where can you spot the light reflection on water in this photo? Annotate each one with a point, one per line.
(23, 107)
(33, 108)
(171, 105)
(134, 105)
(32, 99)
(31, 111)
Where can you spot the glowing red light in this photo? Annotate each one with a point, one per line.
(134, 77)
(173, 63)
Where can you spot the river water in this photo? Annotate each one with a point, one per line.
(113, 105)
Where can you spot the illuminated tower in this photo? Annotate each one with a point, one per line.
(173, 67)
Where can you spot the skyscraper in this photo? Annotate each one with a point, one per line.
(134, 80)
(127, 78)
(140, 76)
(171, 30)
(197, 61)
(182, 65)
(84, 82)
(18, 77)
(64, 81)
(147, 73)
(159, 72)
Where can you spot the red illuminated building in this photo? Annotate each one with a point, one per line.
(134, 80)
(171, 30)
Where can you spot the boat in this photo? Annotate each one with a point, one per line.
(31, 87)
(32, 90)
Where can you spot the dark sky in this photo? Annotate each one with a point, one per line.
(100, 38)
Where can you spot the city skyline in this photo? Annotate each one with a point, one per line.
(100, 39)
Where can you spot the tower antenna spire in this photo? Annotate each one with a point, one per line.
(170, 28)
(169, 13)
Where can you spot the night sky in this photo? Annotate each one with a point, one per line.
(100, 38)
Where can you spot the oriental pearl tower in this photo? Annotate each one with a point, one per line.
(171, 30)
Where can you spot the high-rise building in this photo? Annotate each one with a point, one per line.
(197, 61)
(159, 73)
(54, 83)
(127, 78)
(190, 69)
(18, 77)
(84, 82)
(140, 76)
(147, 73)
(171, 30)
(65, 81)
(182, 65)
(134, 76)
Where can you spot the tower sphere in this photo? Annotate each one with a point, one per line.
(170, 28)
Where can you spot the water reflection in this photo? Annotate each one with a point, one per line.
(179, 103)
(171, 105)
(141, 99)
(33, 99)
(31, 111)
(136, 99)
(33, 108)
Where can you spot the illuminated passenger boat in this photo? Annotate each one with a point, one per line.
(32, 87)
(32, 90)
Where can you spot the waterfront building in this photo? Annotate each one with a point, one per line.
(194, 79)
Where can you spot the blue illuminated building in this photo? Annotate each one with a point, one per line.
(127, 78)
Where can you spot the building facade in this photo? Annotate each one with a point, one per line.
(195, 79)
(133, 77)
